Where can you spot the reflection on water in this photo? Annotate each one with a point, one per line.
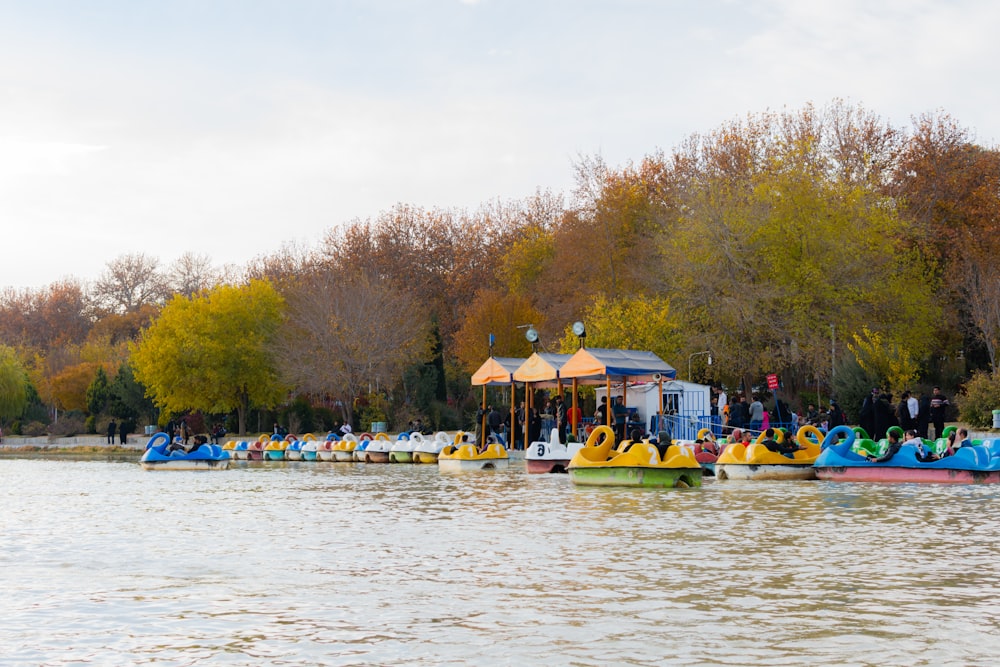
(345, 564)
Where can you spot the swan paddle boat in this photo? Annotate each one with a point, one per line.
(757, 462)
(843, 460)
(343, 449)
(551, 456)
(638, 464)
(462, 456)
(376, 450)
(309, 447)
(255, 449)
(274, 449)
(205, 457)
(325, 450)
(427, 450)
(230, 448)
(402, 450)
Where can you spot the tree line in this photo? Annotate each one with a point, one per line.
(823, 244)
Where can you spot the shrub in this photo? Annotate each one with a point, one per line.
(91, 424)
(34, 429)
(15, 427)
(978, 400)
(66, 426)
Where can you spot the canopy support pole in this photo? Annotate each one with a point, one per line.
(513, 419)
(527, 413)
(608, 410)
(659, 419)
(482, 427)
(575, 411)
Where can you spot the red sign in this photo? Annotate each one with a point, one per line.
(772, 381)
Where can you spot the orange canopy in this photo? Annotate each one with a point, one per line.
(496, 371)
(541, 367)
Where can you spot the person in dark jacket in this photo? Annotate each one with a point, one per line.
(894, 446)
(836, 416)
(866, 418)
(939, 403)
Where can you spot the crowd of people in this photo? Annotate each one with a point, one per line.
(879, 413)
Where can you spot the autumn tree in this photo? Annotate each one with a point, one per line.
(347, 331)
(212, 351)
(502, 315)
(129, 282)
(13, 384)
(57, 314)
(638, 323)
(777, 241)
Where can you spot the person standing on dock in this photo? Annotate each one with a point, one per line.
(112, 430)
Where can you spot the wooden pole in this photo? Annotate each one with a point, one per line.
(527, 412)
(482, 427)
(513, 419)
(608, 410)
(575, 411)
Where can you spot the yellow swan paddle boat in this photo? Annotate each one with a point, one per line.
(757, 462)
(461, 456)
(599, 463)
(343, 449)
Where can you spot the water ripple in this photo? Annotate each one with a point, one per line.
(333, 564)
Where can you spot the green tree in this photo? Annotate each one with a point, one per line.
(13, 384)
(212, 351)
(127, 398)
(98, 393)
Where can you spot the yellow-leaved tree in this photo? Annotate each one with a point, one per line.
(886, 359)
(638, 323)
(212, 351)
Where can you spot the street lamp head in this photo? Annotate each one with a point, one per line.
(531, 335)
(579, 330)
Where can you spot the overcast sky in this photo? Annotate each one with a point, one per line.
(232, 127)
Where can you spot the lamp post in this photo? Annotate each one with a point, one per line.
(696, 354)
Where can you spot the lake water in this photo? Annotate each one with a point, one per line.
(353, 564)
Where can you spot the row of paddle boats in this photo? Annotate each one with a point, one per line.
(379, 448)
(839, 455)
(449, 453)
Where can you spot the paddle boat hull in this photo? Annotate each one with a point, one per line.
(466, 465)
(425, 457)
(274, 454)
(400, 456)
(376, 456)
(343, 455)
(465, 457)
(638, 476)
(545, 466)
(890, 474)
(760, 472)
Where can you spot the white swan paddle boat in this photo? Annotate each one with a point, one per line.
(427, 450)
(551, 456)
